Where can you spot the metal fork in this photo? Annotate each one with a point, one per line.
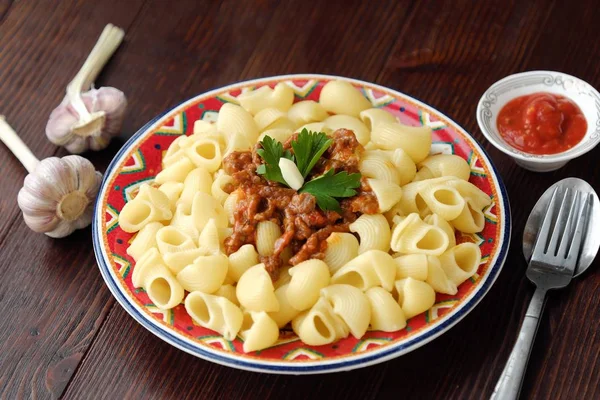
(551, 266)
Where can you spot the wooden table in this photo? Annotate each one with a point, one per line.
(62, 333)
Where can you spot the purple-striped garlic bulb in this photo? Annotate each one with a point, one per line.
(89, 120)
(58, 194)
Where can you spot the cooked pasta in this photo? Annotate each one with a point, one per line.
(255, 290)
(280, 97)
(241, 261)
(150, 205)
(371, 268)
(377, 165)
(214, 312)
(386, 313)
(144, 240)
(175, 172)
(198, 180)
(387, 193)
(461, 262)
(205, 153)
(360, 130)
(414, 296)
(305, 112)
(319, 325)
(206, 274)
(412, 266)
(259, 331)
(230, 227)
(351, 305)
(341, 97)
(286, 311)
(373, 231)
(307, 279)
(443, 165)
(415, 141)
(341, 248)
(374, 116)
(412, 235)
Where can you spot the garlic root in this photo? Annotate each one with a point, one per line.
(58, 194)
(90, 120)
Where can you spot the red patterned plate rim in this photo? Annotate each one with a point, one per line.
(300, 358)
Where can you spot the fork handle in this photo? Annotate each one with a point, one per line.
(509, 384)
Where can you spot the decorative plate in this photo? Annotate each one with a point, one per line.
(139, 161)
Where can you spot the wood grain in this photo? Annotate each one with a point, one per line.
(63, 333)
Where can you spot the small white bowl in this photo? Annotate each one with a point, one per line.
(501, 92)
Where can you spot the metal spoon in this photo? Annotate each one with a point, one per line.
(560, 241)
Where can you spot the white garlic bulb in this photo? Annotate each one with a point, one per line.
(90, 120)
(58, 194)
(64, 129)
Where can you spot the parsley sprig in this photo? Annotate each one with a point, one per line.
(308, 148)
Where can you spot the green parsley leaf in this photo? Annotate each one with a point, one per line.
(271, 152)
(308, 148)
(328, 186)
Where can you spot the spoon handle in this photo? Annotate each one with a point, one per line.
(509, 384)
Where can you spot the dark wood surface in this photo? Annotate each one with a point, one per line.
(61, 332)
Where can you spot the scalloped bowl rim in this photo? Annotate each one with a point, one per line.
(320, 366)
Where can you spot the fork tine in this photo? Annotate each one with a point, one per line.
(579, 232)
(569, 229)
(542, 237)
(559, 230)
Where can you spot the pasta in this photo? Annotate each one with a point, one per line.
(361, 131)
(144, 240)
(255, 290)
(461, 262)
(205, 153)
(286, 312)
(414, 296)
(150, 205)
(198, 180)
(259, 331)
(341, 248)
(387, 193)
(160, 285)
(214, 312)
(386, 313)
(319, 325)
(415, 141)
(250, 252)
(266, 234)
(307, 279)
(377, 165)
(351, 305)
(341, 97)
(412, 235)
(280, 97)
(373, 231)
(443, 165)
(241, 261)
(371, 268)
(305, 112)
(206, 274)
(175, 172)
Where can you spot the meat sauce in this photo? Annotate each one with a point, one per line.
(305, 227)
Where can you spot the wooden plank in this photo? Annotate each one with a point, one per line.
(4, 6)
(137, 363)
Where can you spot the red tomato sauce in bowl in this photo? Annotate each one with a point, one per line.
(542, 123)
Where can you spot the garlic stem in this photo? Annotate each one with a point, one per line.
(16, 145)
(107, 44)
